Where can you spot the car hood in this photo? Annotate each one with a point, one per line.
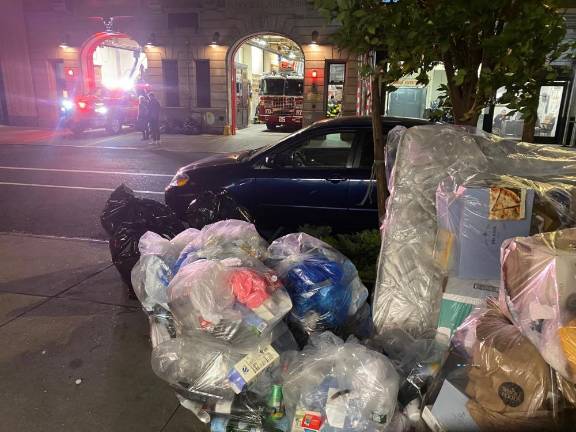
(217, 160)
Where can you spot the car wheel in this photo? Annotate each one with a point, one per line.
(270, 126)
(114, 126)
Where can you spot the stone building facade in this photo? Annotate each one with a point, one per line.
(31, 32)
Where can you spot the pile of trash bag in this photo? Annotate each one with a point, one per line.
(218, 301)
(472, 326)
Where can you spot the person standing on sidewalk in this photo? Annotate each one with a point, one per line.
(154, 118)
(142, 120)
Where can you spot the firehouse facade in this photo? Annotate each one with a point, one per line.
(203, 58)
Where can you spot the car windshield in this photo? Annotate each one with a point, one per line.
(273, 86)
(256, 152)
(294, 87)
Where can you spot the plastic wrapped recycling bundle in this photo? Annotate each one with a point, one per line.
(494, 379)
(126, 218)
(539, 290)
(473, 222)
(336, 386)
(323, 284)
(225, 239)
(392, 142)
(410, 281)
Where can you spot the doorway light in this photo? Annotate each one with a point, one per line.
(314, 40)
(262, 42)
(65, 43)
(215, 39)
(151, 41)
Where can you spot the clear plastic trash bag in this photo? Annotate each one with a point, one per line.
(227, 300)
(323, 284)
(225, 239)
(341, 386)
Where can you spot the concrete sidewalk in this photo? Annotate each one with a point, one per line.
(245, 139)
(75, 350)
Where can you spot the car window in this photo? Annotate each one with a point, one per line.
(331, 150)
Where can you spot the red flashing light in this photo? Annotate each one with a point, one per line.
(82, 105)
(70, 72)
(314, 73)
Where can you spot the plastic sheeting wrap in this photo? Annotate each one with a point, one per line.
(539, 290)
(323, 284)
(494, 379)
(340, 386)
(411, 273)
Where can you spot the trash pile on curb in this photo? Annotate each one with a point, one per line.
(474, 312)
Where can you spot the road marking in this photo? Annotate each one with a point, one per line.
(76, 187)
(54, 237)
(86, 171)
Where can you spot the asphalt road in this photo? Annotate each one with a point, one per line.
(61, 190)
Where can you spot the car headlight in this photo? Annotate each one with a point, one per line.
(101, 109)
(180, 179)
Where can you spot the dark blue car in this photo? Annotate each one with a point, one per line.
(318, 175)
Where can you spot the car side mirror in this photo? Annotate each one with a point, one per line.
(270, 161)
(282, 160)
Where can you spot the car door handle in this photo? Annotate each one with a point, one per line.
(336, 179)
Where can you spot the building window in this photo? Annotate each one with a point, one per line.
(183, 20)
(170, 73)
(335, 73)
(203, 83)
(412, 99)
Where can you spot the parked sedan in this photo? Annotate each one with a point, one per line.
(319, 176)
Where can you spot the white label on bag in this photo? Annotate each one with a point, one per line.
(250, 366)
(336, 407)
(223, 407)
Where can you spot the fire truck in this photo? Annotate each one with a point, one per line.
(281, 100)
(110, 110)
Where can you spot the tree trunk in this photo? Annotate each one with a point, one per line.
(379, 153)
(528, 130)
(462, 97)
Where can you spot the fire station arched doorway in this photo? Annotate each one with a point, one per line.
(112, 61)
(266, 82)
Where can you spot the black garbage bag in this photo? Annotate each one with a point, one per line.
(123, 207)
(126, 218)
(210, 207)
